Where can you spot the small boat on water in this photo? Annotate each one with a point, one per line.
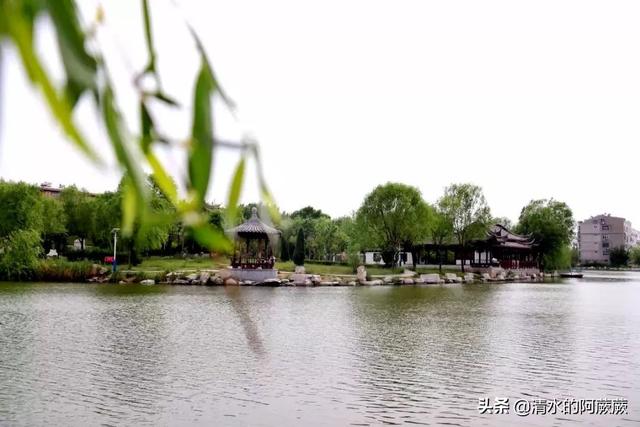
(572, 274)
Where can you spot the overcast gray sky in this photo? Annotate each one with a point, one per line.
(526, 99)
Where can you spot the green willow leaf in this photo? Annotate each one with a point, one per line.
(203, 54)
(151, 66)
(129, 207)
(20, 33)
(265, 194)
(3, 26)
(211, 238)
(201, 147)
(146, 127)
(235, 191)
(166, 99)
(163, 179)
(124, 154)
(80, 66)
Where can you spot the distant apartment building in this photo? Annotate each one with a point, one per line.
(599, 234)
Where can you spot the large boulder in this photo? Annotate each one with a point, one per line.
(225, 273)
(433, 278)
(299, 269)
(452, 278)
(230, 281)
(361, 274)
(204, 277)
(148, 282)
(95, 270)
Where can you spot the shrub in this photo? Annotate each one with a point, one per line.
(558, 259)
(634, 255)
(284, 251)
(20, 252)
(619, 257)
(298, 253)
(61, 270)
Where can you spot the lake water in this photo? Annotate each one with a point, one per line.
(83, 354)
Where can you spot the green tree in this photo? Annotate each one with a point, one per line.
(466, 208)
(391, 216)
(441, 233)
(284, 251)
(54, 229)
(20, 252)
(634, 255)
(575, 256)
(342, 237)
(21, 208)
(504, 221)
(298, 253)
(152, 227)
(79, 208)
(551, 224)
(619, 257)
(107, 216)
(325, 237)
(309, 212)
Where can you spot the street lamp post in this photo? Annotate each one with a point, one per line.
(115, 242)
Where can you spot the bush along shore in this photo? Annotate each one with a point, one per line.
(224, 277)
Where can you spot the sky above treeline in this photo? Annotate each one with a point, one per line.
(526, 99)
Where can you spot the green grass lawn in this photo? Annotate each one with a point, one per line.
(337, 269)
(159, 264)
(173, 264)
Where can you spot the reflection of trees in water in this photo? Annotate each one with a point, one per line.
(131, 351)
(539, 334)
(420, 347)
(242, 309)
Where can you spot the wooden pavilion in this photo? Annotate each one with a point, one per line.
(254, 243)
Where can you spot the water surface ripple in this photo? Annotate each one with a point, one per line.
(77, 354)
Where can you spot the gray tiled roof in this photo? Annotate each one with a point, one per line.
(253, 226)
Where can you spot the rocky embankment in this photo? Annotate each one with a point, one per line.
(225, 277)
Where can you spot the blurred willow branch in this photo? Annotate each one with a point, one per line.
(86, 71)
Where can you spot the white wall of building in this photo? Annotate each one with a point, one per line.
(375, 258)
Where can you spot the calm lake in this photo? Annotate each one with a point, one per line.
(85, 354)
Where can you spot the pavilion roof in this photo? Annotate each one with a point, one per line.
(506, 237)
(253, 226)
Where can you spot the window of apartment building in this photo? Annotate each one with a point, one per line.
(605, 244)
(605, 252)
(605, 227)
(605, 237)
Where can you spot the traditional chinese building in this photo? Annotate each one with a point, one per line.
(509, 250)
(254, 247)
(500, 248)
